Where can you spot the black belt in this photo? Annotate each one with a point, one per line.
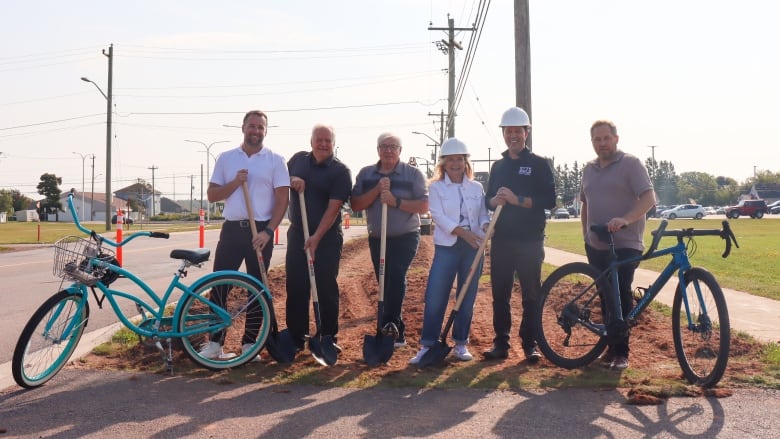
(244, 224)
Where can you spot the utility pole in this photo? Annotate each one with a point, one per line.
(92, 197)
(523, 61)
(652, 149)
(153, 168)
(192, 188)
(448, 47)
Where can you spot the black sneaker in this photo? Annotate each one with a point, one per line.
(400, 342)
(496, 354)
(338, 348)
(532, 355)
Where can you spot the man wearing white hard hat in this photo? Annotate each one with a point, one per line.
(523, 183)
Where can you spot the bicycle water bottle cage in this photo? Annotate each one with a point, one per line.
(602, 232)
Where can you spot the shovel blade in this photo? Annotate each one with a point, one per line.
(435, 355)
(377, 349)
(323, 350)
(281, 346)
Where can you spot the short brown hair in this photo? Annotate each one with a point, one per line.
(254, 113)
(609, 123)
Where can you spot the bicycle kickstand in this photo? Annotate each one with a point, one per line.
(167, 356)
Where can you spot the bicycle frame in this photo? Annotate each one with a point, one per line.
(679, 264)
(152, 315)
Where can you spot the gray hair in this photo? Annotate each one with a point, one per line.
(382, 137)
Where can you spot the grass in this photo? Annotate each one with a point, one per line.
(15, 232)
(751, 268)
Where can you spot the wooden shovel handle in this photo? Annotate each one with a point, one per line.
(253, 226)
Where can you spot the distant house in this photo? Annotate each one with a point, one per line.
(141, 193)
(94, 206)
(169, 206)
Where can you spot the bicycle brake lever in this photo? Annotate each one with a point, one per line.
(728, 235)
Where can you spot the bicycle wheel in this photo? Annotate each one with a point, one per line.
(703, 345)
(562, 319)
(250, 321)
(49, 339)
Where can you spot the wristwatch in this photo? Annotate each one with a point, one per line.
(397, 203)
(269, 231)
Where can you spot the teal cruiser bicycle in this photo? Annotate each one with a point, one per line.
(579, 309)
(230, 307)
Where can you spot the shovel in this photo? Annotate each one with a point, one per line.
(439, 351)
(378, 349)
(322, 347)
(280, 345)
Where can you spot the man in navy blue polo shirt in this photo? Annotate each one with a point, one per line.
(326, 183)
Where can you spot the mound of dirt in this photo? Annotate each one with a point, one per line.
(652, 351)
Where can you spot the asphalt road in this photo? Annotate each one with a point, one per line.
(92, 404)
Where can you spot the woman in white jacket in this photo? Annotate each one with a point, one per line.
(457, 205)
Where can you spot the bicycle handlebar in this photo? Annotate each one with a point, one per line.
(724, 233)
(108, 241)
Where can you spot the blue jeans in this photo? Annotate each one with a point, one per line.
(400, 252)
(449, 262)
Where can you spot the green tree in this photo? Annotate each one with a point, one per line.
(665, 183)
(6, 202)
(697, 187)
(49, 187)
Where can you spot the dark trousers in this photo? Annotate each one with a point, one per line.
(507, 258)
(233, 248)
(600, 259)
(326, 271)
(399, 254)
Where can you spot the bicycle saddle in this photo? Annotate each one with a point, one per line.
(193, 256)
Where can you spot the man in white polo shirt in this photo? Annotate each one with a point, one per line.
(266, 174)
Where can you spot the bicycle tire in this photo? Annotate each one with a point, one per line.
(558, 292)
(702, 351)
(43, 349)
(240, 295)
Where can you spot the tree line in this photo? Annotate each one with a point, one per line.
(672, 188)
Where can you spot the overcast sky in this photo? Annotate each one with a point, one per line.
(698, 79)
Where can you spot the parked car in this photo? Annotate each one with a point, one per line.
(562, 213)
(751, 208)
(710, 210)
(659, 209)
(426, 224)
(126, 220)
(774, 208)
(694, 211)
(547, 213)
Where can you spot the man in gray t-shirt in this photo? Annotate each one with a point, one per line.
(402, 188)
(616, 190)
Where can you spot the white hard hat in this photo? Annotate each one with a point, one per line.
(453, 146)
(515, 117)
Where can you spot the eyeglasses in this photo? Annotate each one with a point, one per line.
(390, 147)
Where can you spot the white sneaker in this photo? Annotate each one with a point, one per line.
(416, 359)
(211, 350)
(462, 353)
(247, 347)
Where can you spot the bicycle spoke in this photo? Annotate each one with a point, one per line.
(567, 326)
(701, 342)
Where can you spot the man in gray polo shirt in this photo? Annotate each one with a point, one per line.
(616, 191)
(402, 187)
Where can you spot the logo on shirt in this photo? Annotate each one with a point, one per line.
(524, 170)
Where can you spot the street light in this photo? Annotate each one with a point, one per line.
(208, 176)
(110, 56)
(83, 158)
(435, 145)
(427, 166)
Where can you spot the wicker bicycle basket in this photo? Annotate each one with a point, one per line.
(71, 259)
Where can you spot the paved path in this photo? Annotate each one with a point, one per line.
(95, 404)
(757, 316)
